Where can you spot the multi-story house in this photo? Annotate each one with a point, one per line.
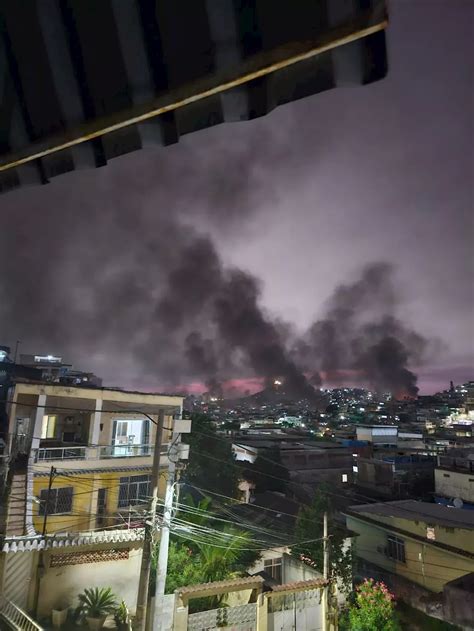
(93, 445)
(77, 489)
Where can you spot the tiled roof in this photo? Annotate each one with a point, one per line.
(301, 585)
(244, 583)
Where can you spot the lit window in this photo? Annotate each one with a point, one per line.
(344, 477)
(57, 501)
(273, 567)
(48, 427)
(396, 549)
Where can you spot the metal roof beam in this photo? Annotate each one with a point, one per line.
(259, 65)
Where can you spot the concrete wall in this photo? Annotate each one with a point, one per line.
(426, 565)
(294, 570)
(61, 585)
(455, 484)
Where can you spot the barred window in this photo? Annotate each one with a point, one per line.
(134, 489)
(396, 549)
(58, 501)
(273, 567)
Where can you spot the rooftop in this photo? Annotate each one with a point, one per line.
(420, 511)
(90, 386)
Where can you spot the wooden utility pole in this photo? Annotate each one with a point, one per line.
(325, 599)
(142, 598)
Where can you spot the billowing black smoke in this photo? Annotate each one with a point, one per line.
(360, 333)
(117, 271)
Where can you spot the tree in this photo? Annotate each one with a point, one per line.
(211, 461)
(373, 609)
(309, 527)
(205, 551)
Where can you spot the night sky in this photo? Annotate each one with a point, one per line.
(303, 199)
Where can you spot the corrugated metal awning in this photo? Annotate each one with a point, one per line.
(82, 82)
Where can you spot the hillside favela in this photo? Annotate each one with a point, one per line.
(236, 315)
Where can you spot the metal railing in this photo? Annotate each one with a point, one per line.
(96, 452)
(125, 451)
(60, 453)
(16, 617)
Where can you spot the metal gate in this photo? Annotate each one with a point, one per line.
(17, 577)
(241, 618)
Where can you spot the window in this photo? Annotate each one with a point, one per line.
(134, 489)
(130, 437)
(48, 427)
(446, 475)
(396, 549)
(60, 501)
(273, 567)
(344, 477)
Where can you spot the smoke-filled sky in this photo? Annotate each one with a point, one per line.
(333, 235)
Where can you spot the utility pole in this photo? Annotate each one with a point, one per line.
(325, 599)
(142, 598)
(40, 569)
(162, 565)
(52, 473)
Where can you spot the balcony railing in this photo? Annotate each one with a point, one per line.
(99, 452)
(126, 451)
(61, 453)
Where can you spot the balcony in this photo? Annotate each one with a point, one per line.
(126, 451)
(100, 457)
(61, 453)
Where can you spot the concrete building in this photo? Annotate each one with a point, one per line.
(416, 547)
(77, 489)
(379, 435)
(395, 476)
(55, 370)
(454, 479)
(99, 442)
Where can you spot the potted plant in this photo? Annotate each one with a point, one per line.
(95, 604)
(59, 614)
(122, 617)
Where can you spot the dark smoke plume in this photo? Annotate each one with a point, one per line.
(117, 271)
(361, 332)
(108, 268)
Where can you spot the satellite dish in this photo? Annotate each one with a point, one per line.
(458, 503)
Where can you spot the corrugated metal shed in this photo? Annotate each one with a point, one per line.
(82, 81)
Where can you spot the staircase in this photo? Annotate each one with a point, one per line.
(17, 506)
(15, 618)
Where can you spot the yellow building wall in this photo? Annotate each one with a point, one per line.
(427, 565)
(83, 515)
(457, 537)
